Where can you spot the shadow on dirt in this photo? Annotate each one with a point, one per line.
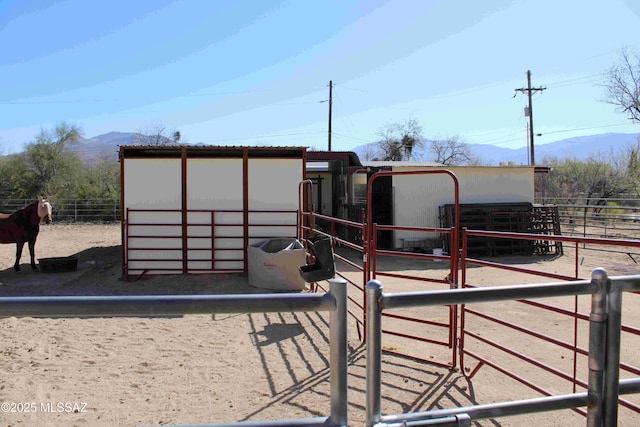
(415, 386)
(99, 272)
(404, 261)
(409, 385)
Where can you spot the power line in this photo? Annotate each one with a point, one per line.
(586, 128)
(591, 78)
(355, 138)
(310, 132)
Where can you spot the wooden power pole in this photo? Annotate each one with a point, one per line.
(530, 91)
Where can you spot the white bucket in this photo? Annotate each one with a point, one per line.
(437, 251)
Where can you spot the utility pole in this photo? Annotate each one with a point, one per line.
(530, 91)
(330, 104)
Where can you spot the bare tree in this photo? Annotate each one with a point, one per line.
(399, 140)
(627, 162)
(623, 85)
(368, 152)
(157, 135)
(453, 151)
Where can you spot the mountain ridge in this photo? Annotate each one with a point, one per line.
(580, 148)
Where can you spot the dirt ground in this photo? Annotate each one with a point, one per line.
(235, 367)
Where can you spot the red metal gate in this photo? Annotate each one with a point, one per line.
(362, 256)
(173, 241)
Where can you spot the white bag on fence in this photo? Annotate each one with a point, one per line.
(274, 264)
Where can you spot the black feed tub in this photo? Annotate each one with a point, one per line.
(58, 264)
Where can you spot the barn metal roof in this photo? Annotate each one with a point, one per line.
(175, 151)
(401, 164)
(349, 157)
(418, 164)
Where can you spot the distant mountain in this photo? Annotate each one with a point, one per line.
(107, 146)
(579, 148)
(103, 146)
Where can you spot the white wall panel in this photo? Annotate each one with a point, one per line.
(273, 185)
(215, 184)
(155, 238)
(418, 197)
(153, 184)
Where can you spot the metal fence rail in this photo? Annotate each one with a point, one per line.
(334, 301)
(469, 316)
(72, 210)
(604, 385)
(578, 216)
(596, 217)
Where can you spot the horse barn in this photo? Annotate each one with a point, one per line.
(197, 209)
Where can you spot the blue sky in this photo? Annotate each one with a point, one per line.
(257, 72)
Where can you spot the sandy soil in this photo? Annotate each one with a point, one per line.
(235, 367)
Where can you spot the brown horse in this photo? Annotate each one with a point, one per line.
(23, 226)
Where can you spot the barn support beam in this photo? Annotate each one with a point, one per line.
(185, 216)
(245, 207)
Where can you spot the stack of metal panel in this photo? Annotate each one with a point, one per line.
(506, 217)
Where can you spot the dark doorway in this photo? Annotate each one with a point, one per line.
(382, 209)
(317, 194)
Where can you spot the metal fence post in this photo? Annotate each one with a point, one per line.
(597, 349)
(338, 353)
(612, 364)
(374, 352)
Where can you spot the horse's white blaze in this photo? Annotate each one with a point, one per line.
(44, 210)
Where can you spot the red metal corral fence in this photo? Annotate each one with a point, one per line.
(540, 345)
(440, 322)
(358, 263)
(351, 262)
(556, 347)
